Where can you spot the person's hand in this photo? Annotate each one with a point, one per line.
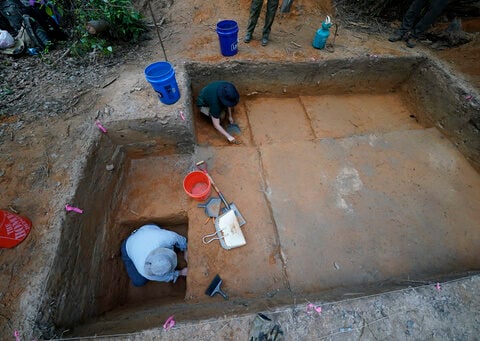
(184, 272)
(233, 140)
(185, 255)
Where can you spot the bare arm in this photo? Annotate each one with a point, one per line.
(230, 118)
(216, 124)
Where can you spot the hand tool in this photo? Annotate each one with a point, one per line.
(201, 165)
(215, 288)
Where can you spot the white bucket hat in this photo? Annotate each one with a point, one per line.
(160, 262)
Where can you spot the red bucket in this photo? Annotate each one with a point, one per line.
(13, 229)
(197, 185)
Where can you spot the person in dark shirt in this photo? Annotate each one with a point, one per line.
(219, 98)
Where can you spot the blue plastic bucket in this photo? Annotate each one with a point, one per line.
(161, 77)
(227, 31)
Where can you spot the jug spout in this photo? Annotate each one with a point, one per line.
(327, 23)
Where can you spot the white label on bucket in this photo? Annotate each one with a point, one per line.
(234, 46)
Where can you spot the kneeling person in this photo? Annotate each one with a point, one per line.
(216, 98)
(148, 254)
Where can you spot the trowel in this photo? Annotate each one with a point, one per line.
(233, 129)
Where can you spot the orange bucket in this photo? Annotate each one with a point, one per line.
(197, 185)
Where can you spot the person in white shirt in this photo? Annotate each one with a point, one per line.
(148, 254)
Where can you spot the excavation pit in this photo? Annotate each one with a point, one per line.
(354, 176)
(157, 291)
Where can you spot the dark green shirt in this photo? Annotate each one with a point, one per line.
(208, 98)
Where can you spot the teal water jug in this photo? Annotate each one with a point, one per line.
(322, 34)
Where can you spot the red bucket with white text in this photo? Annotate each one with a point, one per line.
(13, 229)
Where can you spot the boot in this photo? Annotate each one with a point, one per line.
(264, 40)
(396, 36)
(248, 37)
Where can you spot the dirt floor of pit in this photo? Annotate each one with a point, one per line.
(42, 140)
(377, 197)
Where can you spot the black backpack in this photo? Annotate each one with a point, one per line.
(26, 31)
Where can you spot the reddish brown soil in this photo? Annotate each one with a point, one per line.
(465, 59)
(39, 130)
(336, 191)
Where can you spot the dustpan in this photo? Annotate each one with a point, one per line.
(203, 167)
(212, 207)
(227, 231)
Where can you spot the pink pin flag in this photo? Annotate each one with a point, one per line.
(311, 308)
(101, 127)
(169, 323)
(17, 335)
(438, 286)
(69, 208)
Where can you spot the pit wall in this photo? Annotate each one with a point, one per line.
(449, 104)
(148, 127)
(363, 75)
(72, 284)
